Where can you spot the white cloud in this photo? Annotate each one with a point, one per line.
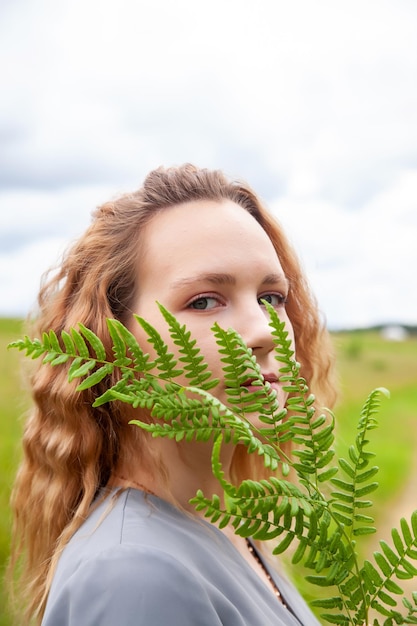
(312, 102)
(21, 272)
(32, 213)
(361, 263)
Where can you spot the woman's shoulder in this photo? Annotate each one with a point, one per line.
(129, 518)
(120, 581)
(133, 530)
(113, 566)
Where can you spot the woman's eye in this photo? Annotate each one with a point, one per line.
(275, 299)
(204, 303)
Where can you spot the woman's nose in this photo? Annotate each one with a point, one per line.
(257, 332)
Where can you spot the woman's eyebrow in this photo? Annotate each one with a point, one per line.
(211, 277)
(273, 279)
(221, 278)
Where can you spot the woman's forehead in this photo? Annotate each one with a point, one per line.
(201, 219)
(211, 237)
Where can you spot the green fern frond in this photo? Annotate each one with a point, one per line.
(313, 435)
(357, 475)
(284, 352)
(165, 362)
(195, 369)
(94, 341)
(240, 365)
(126, 348)
(394, 563)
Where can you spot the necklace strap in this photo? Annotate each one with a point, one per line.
(136, 484)
(271, 581)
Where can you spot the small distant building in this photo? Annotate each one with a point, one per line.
(394, 333)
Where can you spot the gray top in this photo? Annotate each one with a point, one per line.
(139, 561)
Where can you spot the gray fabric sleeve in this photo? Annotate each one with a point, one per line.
(131, 586)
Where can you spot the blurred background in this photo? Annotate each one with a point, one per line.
(314, 104)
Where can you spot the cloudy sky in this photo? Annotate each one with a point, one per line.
(313, 102)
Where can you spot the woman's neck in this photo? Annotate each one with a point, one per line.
(186, 467)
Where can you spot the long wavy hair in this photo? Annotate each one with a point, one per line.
(70, 448)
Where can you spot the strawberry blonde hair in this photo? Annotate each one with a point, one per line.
(71, 448)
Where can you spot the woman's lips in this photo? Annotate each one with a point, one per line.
(272, 379)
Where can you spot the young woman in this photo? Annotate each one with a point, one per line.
(104, 532)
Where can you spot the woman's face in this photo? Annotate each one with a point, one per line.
(212, 262)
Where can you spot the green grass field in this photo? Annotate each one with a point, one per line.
(13, 403)
(365, 361)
